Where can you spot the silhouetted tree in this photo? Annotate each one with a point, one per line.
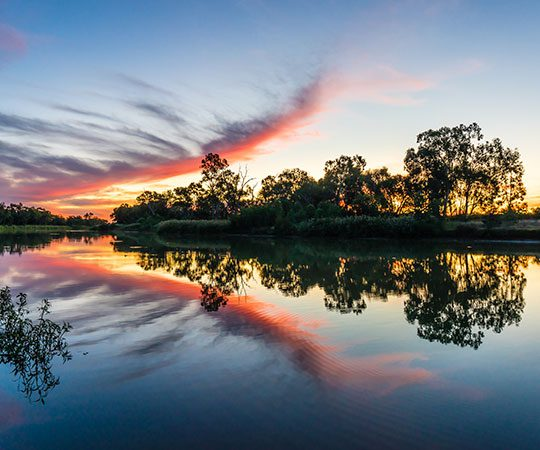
(453, 173)
(344, 179)
(284, 186)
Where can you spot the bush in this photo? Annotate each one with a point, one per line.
(328, 209)
(193, 226)
(148, 223)
(255, 217)
(365, 226)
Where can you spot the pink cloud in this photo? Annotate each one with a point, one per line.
(11, 40)
(240, 140)
(381, 84)
(11, 412)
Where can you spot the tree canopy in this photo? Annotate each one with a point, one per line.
(453, 171)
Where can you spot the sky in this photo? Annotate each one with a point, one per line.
(101, 100)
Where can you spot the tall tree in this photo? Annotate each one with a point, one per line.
(434, 168)
(224, 192)
(284, 186)
(343, 177)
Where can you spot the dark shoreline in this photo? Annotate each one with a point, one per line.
(522, 230)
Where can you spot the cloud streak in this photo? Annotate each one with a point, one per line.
(134, 154)
(46, 160)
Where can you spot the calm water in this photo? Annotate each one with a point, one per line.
(279, 344)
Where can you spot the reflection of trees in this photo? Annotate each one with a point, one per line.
(30, 346)
(453, 296)
(346, 282)
(19, 243)
(456, 297)
(213, 298)
(291, 279)
(219, 273)
(357, 279)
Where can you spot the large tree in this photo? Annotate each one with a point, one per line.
(434, 168)
(344, 179)
(454, 172)
(224, 192)
(285, 186)
(389, 193)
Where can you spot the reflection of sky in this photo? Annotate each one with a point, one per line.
(262, 369)
(102, 100)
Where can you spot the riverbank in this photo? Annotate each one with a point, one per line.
(358, 227)
(31, 229)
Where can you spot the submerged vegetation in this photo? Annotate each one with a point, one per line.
(453, 173)
(29, 346)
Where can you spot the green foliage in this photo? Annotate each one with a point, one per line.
(30, 229)
(453, 172)
(193, 226)
(328, 209)
(19, 214)
(291, 185)
(253, 217)
(219, 194)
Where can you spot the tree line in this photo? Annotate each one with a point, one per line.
(452, 172)
(19, 214)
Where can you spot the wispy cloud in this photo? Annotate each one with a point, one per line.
(113, 154)
(82, 112)
(60, 160)
(142, 85)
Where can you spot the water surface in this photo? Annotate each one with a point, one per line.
(250, 343)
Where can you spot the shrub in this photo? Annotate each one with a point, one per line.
(255, 217)
(193, 226)
(328, 209)
(365, 226)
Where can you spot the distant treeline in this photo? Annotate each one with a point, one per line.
(452, 172)
(17, 214)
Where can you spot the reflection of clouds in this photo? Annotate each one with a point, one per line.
(11, 413)
(380, 374)
(149, 319)
(452, 295)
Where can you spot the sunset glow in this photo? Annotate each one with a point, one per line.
(85, 125)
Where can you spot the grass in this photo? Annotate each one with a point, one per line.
(31, 229)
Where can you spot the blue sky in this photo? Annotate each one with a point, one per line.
(102, 99)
